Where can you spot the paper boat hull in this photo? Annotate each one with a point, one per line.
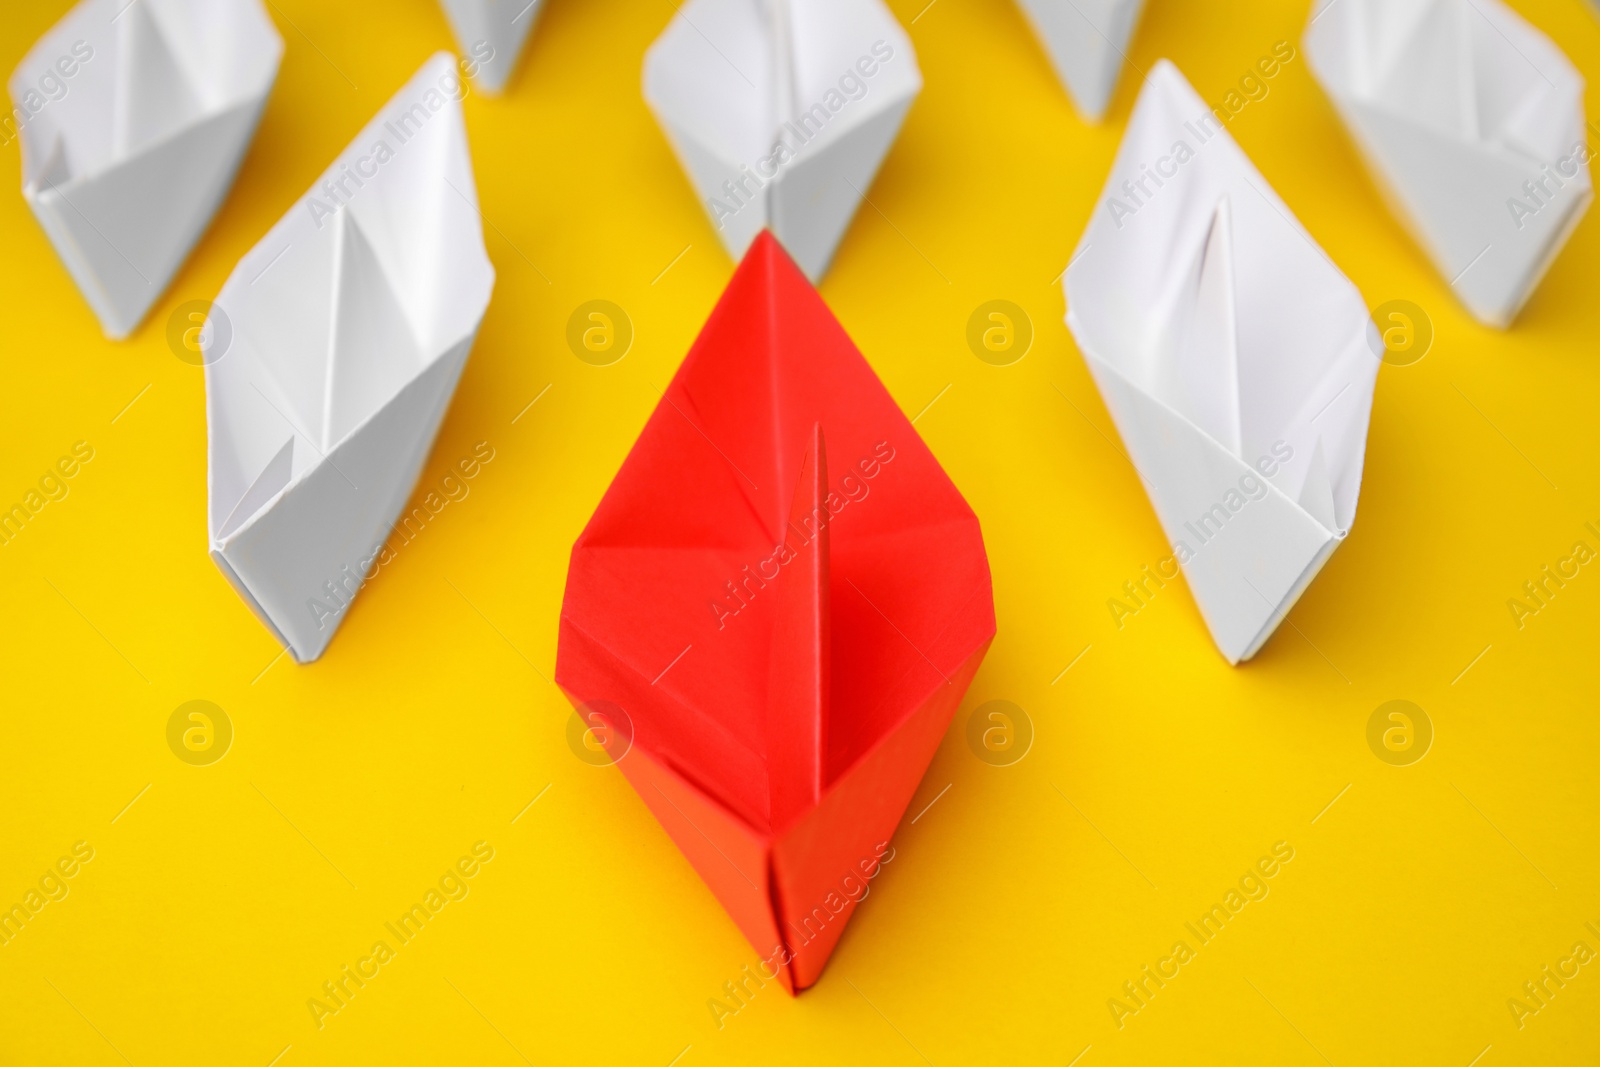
(1087, 41)
(125, 233)
(778, 737)
(499, 28)
(788, 150)
(792, 895)
(1470, 122)
(813, 201)
(347, 329)
(300, 561)
(1236, 361)
(707, 171)
(1453, 198)
(1245, 565)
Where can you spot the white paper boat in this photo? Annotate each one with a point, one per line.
(492, 34)
(1234, 357)
(127, 158)
(1087, 41)
(1472, 122)
(350, 324)
(781, 111)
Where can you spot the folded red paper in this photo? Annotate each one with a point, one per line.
(787, 597)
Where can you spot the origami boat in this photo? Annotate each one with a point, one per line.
(1237, 361)
(781, 111)
(1472, 123)
(134, 118)
(1087, 41)
(338, 342)
(785, 594)
(492, 35)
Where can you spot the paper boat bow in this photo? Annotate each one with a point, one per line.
(134, 119)
(1472, 122)
(1234, 356)
(341, 338)
(492, 35)
(787, 596)
(1087, 41)
(781, 111)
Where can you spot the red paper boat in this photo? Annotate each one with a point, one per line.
(786, 596)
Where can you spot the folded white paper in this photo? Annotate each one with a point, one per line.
(134, 118)
(781, 111)
(1234, 357)
(350, 324)
(1472, 122)
(492, 34)
(1087, 41)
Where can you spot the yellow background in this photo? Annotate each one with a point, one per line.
(1019, 903)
